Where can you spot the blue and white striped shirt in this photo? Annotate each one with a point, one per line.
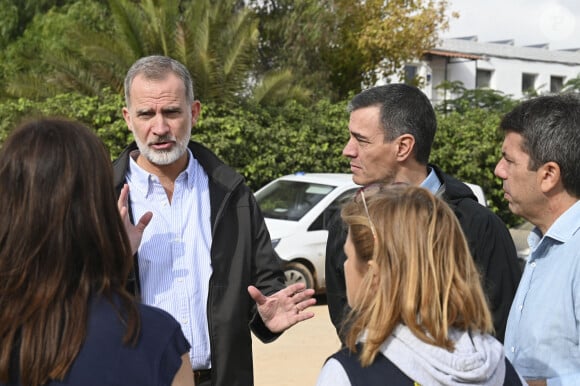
(174, 255)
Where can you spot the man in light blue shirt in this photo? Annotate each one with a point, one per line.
(540, 169)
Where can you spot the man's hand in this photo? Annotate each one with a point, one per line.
(135, 232)
(285, 308)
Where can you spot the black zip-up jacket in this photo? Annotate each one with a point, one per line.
(489, 241)
(241, 255)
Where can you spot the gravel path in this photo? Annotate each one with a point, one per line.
(296, 357)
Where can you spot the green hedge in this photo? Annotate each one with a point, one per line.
(468, 146)
(263, 144)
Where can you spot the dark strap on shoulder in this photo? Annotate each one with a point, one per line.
(380, 372)
(383, 369)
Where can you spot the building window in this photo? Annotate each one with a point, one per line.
(483, 78)
(529, 82)
(410, 74)
(556, 83)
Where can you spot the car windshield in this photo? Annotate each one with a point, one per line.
(290, 200)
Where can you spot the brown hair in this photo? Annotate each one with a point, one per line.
(426, 277)
(62, 241)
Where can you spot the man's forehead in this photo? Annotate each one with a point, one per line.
(144, 107)
(514, 144)
(365, 127)
(168, 80)
(153, 95)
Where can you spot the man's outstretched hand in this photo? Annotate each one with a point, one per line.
(285, 308)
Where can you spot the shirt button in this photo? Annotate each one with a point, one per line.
(521, 307)
(513, 349)
(533, 264)
(184, 321)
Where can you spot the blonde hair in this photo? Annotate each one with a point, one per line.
(425, 278)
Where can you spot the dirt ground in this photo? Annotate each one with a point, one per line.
(296, 357)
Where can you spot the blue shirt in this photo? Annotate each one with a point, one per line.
(174, 255)
(431, 183)
(542, 335)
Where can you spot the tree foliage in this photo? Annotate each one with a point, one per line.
(29, 57)
(70, 57)
(295, 34)
(263, 143)
(462, 100)
(270, 51)
(102, 113)
(468, 145)
(15, 16)
(572, 85)
(216, 40)
(401, 28)
(341, 45)
(266, 143)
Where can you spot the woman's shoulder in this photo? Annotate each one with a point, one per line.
(333, 374)
(106, 358)
(159, 327)
(151, 314)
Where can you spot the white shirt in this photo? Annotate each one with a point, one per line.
(174, 255)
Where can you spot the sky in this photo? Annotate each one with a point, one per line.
(528, 22)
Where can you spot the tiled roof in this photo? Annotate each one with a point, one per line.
(451, 54)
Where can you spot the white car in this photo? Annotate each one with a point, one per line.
(296, 209)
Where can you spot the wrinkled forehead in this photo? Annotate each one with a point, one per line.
(169, 88)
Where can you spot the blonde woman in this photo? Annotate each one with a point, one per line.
(419, 315)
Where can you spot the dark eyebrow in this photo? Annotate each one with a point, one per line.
(171, 109)
(505, 155)
(143, 111)
(359, 137)
(165, 110)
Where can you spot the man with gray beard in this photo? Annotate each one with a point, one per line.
(206, 256)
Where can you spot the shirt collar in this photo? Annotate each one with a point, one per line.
(432, 182)
(561, 230)
(143, 180)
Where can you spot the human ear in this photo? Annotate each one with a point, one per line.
(195, 111)
(127, 117)
(549, 176)
(406, 143)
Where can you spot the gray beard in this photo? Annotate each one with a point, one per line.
(163, 158)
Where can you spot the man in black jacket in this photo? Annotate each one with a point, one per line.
(391, 133)
(206, 256)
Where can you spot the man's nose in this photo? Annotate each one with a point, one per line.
(499, 169)
(349, 149)
(160, 126)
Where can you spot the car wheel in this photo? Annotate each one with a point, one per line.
(298, 273)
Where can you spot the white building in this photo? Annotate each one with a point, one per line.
(498, 65)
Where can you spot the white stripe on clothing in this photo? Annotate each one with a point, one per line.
(174, 255)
